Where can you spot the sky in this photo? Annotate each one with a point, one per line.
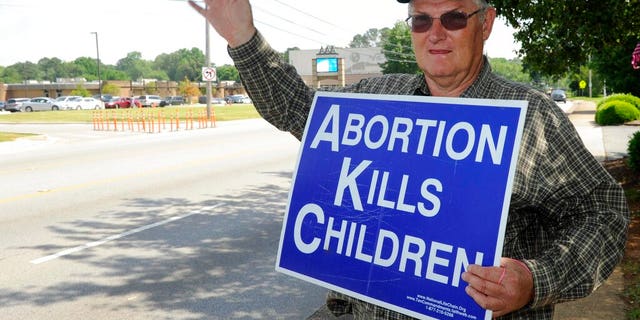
(34, 29)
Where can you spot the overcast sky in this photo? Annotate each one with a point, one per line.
(33, 29)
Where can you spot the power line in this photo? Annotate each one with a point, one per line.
(289, 21)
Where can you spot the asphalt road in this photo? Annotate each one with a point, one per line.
(129, 225)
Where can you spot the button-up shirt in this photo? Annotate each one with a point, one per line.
(568, 217)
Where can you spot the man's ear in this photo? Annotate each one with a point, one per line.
(487, 26)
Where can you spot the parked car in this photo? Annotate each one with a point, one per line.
(149, 100)
(172, 101)
(85, 103)
(218, 101)
(118, 103)
(237, 98)
(559, 95)
(104, 97)
(214, 100)
(39, 104)
(15, 104)
(2, 104)
(65, 102)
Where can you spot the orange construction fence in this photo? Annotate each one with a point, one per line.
(152, 120)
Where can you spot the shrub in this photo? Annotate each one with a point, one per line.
(616, 112)
(633, 151)
(635, 101)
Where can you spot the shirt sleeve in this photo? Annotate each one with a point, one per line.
(279, 94)
(577, 213)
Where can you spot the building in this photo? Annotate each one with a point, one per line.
(338, 66)
(64, 87)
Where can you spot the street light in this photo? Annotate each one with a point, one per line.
(98, 61)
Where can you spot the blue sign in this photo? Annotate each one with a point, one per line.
(394, 196)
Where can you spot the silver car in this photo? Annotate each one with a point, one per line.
(39, 104)
(15, 104)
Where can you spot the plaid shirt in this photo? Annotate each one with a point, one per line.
(568, 217)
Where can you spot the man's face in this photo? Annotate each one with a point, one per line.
(451, 56)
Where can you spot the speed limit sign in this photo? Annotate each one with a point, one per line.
(208, 74)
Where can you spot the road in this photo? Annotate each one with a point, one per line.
(129, 225)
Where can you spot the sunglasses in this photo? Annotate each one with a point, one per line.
(452, 20)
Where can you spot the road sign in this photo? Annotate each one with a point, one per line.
(208, 74)
(583, 84)
(394, 196)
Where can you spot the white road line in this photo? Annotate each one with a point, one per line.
(115, 236)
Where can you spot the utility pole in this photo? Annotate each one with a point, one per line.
(208, 62)
(98, 62)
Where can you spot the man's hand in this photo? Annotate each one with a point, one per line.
(232, 19)
(501, 289)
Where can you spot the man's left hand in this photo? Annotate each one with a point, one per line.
(502, 289)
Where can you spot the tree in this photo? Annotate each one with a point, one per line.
(371, 38)
(110, 88)
(188, 89)
(80, 91)
(396, 47)
(572, 31)
(227, 73)
(182, 63)
(510, 69)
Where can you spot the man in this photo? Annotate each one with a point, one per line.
(568, 218)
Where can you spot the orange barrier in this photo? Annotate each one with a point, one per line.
(151, 120)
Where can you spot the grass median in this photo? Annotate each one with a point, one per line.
(221, 113)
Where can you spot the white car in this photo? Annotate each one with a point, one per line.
(39, 104)
(66, 102)
(84, 103)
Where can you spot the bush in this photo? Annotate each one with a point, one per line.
(616, 112)
(635, 101)
(633, 151)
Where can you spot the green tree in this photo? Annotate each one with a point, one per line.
(371, 38)
(110, 88)
(510, 69)
(134, 66)
(80, 91)
(557, 37)
(182, 63)
(396, 47)
(227, 73)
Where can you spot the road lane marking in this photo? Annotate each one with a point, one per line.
(116, 236)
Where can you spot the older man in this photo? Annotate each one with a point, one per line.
(568, 218)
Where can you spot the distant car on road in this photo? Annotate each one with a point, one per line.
(559, 95)
(15, 104)
(39, 104)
